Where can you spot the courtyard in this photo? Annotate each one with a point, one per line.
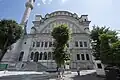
(13, 75)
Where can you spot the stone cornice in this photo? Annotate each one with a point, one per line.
(64, 13)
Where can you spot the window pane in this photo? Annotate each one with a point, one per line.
(45, 56)
(82, 55)
(87, 57)
(99, 66)
(76, 43)
(33, 44)
(78, 56)
(85, 44)
(46, 44)
(36, 57)
(81, 44)
(49, 55)
(42, 44)
(50, 44)
(21, 56)
(37, 44)
(40, 57)
(32, 54)
(53, 56)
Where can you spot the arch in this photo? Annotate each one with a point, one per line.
(32, 56)
(36, 56)
(45, 55)
(75, 25)
(21, 56)
(40, 56)
(49, 56)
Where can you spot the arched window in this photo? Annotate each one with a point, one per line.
(36, 56)
(45, 55)
(49, 56)
(40, 57)
(32, 56)
(21, 56)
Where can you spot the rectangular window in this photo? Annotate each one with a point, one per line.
(33, 44)
(37, 44)
(50, 44)
(81, 44)
(42, 44)
(53, 57)
(76, 43)
(46, 43)
(82, 56)
(85, 44)
(78, 56)
(87, 57)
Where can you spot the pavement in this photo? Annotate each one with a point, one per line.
(84, 75)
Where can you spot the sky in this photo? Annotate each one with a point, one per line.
(100, 12)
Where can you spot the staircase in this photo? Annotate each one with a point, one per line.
(41, 67)
(29, 66)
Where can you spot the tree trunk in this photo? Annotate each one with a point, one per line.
(3, 51)
(2, 54)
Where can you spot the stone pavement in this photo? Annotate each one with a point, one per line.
(85, 75)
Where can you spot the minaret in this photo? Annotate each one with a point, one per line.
(13, 54)
(29, 6)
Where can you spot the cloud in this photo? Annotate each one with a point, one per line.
(47, 1)
(63, 1)
(44, 1)
(38, 4)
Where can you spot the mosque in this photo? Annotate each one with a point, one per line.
(33, 51)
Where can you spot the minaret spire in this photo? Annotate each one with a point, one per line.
(29, 6)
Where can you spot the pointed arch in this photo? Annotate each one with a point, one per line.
(75, 27)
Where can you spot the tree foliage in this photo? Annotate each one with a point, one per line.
(116, 53)
(96, 42)
(105, 48)
(61, 35)
(10, 32)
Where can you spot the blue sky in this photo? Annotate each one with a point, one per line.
(100, 12)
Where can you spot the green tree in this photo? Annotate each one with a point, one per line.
(10, 32)
(105, 49)
(116, 53)
(61, 35)
(96, 42)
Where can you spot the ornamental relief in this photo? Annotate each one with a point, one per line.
(72, 26)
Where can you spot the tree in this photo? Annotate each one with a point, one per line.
(105, 49)
(116, 53)
(10, 32)
(61, 35)
(96, 42)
